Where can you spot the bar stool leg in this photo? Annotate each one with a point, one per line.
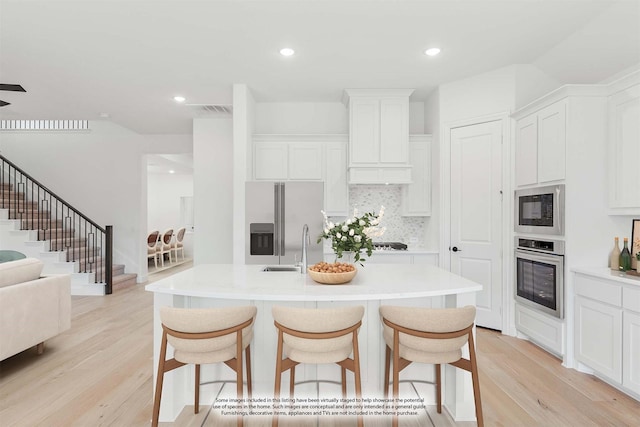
(196, 403)
(247, 358)
(387, 363)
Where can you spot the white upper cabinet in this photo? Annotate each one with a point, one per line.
(552, 141)
(364, 130)
(527, 151)
(305, 161)
(394, 130)
(305, 158)
(287, 161)
(541, 146)
(416, 197)
(270, 161)
(378, 136)
(624, 151)
(336, 190)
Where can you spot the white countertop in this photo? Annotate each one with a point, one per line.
(607, 273)
(373, 282)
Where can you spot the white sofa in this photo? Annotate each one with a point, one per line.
(32, 308)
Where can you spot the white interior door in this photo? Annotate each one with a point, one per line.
(476, 214)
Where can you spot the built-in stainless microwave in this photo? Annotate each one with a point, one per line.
(540, 210)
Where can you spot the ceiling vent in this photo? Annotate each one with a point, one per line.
(47, 125)
(216, 109)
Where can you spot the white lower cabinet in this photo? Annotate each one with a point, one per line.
(607, 329)
(631, 351)
(631, 339)
(545, 330)
(598, 337)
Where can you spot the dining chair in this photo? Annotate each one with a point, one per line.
(152, 246)
(164, 245)
(204, 336)
(177, 244)
(316, 336)
(433, 336)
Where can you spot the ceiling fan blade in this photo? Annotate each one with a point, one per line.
(13, 88)
(3, 103)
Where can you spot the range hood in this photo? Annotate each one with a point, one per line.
(378, 136)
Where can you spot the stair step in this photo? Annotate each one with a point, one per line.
(67, 243)
(10, 194)
(35, 224)
(55, 233)
(11, 203)
(94, 289)
(83, 253)
(28, 216)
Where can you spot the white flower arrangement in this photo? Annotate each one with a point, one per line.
(354, 234)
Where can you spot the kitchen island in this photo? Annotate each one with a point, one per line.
(223, 285)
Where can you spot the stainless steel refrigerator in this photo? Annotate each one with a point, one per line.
(276, 213)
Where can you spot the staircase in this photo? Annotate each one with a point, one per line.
(39, 224)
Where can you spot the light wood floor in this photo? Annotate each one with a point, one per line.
(99, 373)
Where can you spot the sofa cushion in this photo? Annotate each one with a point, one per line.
(22, 270)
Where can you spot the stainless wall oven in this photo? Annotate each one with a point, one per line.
(540, 210)
(540, 275)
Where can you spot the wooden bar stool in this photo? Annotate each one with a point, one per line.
(202, 336)
(434, 336)
(327, 335)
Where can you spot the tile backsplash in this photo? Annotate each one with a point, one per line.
(369, 198)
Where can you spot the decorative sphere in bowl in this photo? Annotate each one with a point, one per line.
(335, 273)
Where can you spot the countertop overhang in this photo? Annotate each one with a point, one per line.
(373, 282)
(607, 273)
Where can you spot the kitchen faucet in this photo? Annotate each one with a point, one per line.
(306, 240)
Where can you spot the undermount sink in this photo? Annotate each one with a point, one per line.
(293, 268)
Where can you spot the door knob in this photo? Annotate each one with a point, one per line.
(455, 249)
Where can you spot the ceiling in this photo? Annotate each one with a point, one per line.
(126, 60)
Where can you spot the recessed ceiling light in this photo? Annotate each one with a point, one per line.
(179, 99)
(172, 171)
(287, 51)
(432, 51)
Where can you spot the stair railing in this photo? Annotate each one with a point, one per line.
(56, 221)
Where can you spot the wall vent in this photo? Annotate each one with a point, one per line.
(48, 125)
(218, 109)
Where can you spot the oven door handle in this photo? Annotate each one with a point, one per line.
(547, 258)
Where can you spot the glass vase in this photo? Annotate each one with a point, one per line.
(347, 257)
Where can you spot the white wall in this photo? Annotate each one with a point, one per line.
(163, 199)
(481, 95)
(213, 190)
(98, 172)
(531, 83)
(317, 118)
(102, 173)
(301, 118)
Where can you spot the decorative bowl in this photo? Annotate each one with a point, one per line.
(332, 278)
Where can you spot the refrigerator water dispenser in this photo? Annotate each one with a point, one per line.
(261, 238)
